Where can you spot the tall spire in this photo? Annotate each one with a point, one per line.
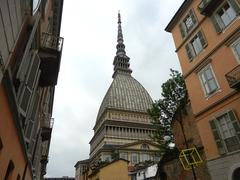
(121, 60)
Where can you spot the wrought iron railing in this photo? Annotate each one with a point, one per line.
(207, 6)
(48, 122)
(52, 42)
(204, 4)
(233, 77)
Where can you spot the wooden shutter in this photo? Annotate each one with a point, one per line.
(217, 137)
(30, 83)
(34, 119)
(189, 51)
(235, 123)
(193, 17)
(202, 39)
(216, 24)
(235, 6)
(25, 60)
(7, 25)
(183, 30)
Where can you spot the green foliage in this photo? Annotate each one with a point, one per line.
(174, 97)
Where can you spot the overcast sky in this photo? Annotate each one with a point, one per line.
(89, 28)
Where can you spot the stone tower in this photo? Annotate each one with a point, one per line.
(123, 125)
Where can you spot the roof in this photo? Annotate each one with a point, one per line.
(178, 15)
(125, 93)
(85, 161)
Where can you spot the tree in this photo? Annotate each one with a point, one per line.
(174, 97)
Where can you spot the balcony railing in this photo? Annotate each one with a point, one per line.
(50, 41)
(207, 6)
(233, 78)
(47, 125)
(48, 122)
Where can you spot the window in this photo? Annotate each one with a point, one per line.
(30, 83)
(188, 23)
(124, 156)
(134, 158)
(145, 157)
(236, 48)
(106, 158)
(226, 131)
(208, 80)
(196, 45)
(227, 12)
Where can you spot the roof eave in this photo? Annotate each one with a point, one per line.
(178, 15)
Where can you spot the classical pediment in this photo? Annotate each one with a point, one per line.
(140, 145)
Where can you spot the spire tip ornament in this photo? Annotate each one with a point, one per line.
(121, 60)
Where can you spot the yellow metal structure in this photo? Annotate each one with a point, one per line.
(190, 157)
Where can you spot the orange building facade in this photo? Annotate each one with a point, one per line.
(30, 54)
(207, 40)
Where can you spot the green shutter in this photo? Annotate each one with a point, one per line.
(216, 24)
(202, 39)
(193, 17)
(235, 6)
(217, 137)
(183, 30)
(189, 52)
(235, 123)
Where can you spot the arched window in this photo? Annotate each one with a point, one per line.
(236, 174)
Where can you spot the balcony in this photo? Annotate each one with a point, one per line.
(206, 7)
(46, 126)
(233, 78)
(50, 53)
(44, 159)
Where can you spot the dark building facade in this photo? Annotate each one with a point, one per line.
(30, 55)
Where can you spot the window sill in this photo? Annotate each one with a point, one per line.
(230, 24)
(208, 96)
(229, 153)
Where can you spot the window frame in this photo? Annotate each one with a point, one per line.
(184, 28)
(233, 46)
(208, 94)
(29, 85)
(132, 157)
(190, 48)
(217, 20)
(218, 134)
(124, 155)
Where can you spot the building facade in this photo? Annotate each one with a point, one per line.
(117, 169)
(207, 40)
(30, 54)
(123, 126)
(186, 136)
